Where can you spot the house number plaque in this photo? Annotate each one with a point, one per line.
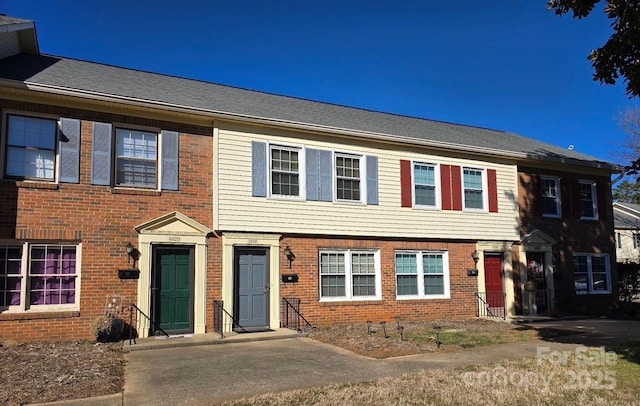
(174, 238)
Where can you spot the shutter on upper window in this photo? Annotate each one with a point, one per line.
(325, 170)
(456, 188)
(258, 169)
(319, 175)
(170, 163)
(372, 179)
(101, 156)
(445, 185)
(313, 174)
(69, 150)
(492, 184)
(406, 195)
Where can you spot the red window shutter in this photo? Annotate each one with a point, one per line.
(445, 184)
(456, 188)
(492, 183)
(406, 197)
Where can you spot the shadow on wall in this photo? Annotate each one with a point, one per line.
(569, 231)
(8, 222)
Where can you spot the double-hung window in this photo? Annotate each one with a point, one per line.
(348, 177)
(350, 275)
(474, 185)
(551, 197)
(592, 273)
(31, 147)
(422, 274)
(588, 201)
(39, 276)
(136, 158)
(425, 185)
(285, 171)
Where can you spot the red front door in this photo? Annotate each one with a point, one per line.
(493, 280)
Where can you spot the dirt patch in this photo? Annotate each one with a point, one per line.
(46, 372)
(405, 338)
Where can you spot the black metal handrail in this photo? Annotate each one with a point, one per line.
(487, 304)
(292, 309)
(219, 313)
(140, 312)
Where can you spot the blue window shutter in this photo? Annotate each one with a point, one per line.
(313, 175)
(372, 179)
(325, 170)
(101, 163)
(69, 150)
(258, 169)
(170, 151)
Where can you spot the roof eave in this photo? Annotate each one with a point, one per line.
(222, 115)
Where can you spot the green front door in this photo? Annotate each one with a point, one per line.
(173, 289)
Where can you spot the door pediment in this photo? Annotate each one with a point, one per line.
(174, 223)
(538, 240)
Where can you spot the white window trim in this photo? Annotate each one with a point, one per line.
(594, 197)
(485, 190)
(421, 295)
(348, 288)
(4, 144)
(114, 155)
(558, 197)
(24, 307)
(363, 177)
(438, 190)
(590, 290)
(302, 171)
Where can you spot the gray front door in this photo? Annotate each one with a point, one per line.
(252, 288)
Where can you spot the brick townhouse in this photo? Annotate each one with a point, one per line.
(216, 208)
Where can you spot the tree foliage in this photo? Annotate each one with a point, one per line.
(619, 57)
(627, 192)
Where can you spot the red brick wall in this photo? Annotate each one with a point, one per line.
(572, 234)
(461, 305)
(103, 220)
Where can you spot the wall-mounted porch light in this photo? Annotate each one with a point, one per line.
(476, 256)
(289, 254)
(132, 254)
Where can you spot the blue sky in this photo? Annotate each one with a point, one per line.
(508, 65)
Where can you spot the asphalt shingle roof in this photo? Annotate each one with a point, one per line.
(109, 80)
(626, 215)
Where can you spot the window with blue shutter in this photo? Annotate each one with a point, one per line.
(101, 155)
(69, 145)
(170, 168)
(372, 179)
(258, 169)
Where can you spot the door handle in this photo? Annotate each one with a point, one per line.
(267, 289)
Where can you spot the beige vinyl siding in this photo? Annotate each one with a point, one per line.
(627, 253)
(238, 211)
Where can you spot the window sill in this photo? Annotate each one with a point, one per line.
(26, 184)
(349, 302)
(39, 315)
(433, 297)
(137, 192)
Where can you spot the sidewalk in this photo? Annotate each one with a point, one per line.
(193, 370)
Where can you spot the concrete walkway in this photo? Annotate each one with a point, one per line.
(185, 371)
